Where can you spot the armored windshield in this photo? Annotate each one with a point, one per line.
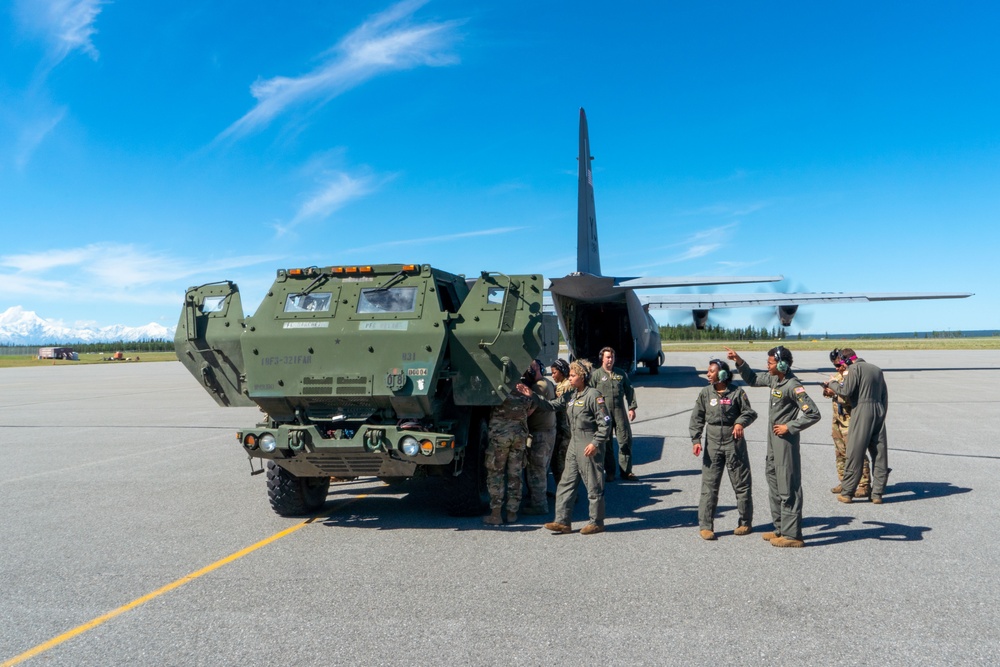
(391, 300)
(307, 303)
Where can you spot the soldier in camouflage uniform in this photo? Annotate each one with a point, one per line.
(864, 386)
(841, 423)
(722, 412)
(542, 427)
(614, 385)
(508, 432)
(590, 432)
(791, 410)
(560, 375)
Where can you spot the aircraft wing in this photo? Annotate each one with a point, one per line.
(691, 281)
(712, 301)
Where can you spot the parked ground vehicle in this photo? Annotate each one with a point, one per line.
(386, 370)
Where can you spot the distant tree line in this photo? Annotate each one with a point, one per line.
(716, 332)
(94, 348)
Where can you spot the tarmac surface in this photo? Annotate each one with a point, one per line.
(134, 534)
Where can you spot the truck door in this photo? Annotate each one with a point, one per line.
(495, 337)
(207, 341)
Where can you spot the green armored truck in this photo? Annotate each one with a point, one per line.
(386, 370)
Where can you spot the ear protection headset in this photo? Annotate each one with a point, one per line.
(835, 356)
(783, 357)
(723, 369)
(847, 361)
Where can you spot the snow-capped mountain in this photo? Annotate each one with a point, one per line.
(23, 327)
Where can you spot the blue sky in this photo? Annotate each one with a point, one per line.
(147, 147)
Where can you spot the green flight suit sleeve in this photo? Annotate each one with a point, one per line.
(629, 392)
(557, 404)
(697, 423)
(747, 414)
(752, 378)
(807, 415)
(602, 421)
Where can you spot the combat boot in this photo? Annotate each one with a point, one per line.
(862, 492)
(770, 536)
(591, 528)
(845, 499)
(787, 542)
(511, 516)
(707, 535)
(743, 530)
(876, 499)
(837, 489)
(494, 518)
(558, 528)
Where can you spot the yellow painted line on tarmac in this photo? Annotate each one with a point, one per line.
(100, 620)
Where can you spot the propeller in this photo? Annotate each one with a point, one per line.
(783, 316)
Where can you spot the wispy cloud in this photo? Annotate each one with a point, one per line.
(64, 25)
(335, 190)
(387, 42)
(436, 239)
(110, 272)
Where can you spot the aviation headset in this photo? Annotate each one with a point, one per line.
(724, 373)
(783, 357)
(835, 356)
(848, 360)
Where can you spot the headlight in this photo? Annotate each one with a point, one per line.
(409, 445)
(268, 443)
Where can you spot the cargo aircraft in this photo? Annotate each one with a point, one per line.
(595, 310)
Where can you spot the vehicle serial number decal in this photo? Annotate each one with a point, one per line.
(306, 325)
(383, 326)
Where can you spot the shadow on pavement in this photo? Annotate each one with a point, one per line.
(909, 491)
(879, 530)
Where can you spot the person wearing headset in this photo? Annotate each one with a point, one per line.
(864, 386)
(790, 411)
(590, 433)
(722, 412)
(841, 427)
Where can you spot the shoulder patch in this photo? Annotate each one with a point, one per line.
(600, 399)
(799, 390)
(805, 407)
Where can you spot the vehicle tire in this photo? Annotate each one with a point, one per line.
(654, 366)
(295, 496)
(465, 491)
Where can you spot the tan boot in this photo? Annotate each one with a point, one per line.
(862, 492)
(845, 499)
(743, 530)
(707, 535)
(494, 518)
(558, 528)
(787, 542)
(770, 536)
(876, 498)
(837, 489)
(591, 528)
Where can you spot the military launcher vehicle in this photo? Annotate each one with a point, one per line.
(386, 371)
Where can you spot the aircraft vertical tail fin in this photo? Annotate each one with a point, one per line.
(588, 259)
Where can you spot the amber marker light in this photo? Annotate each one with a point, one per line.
(350, 269)
(250, 442)
(295, 272)
(365, 269)
(426, 447)
(409, 267)
(337, 269)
